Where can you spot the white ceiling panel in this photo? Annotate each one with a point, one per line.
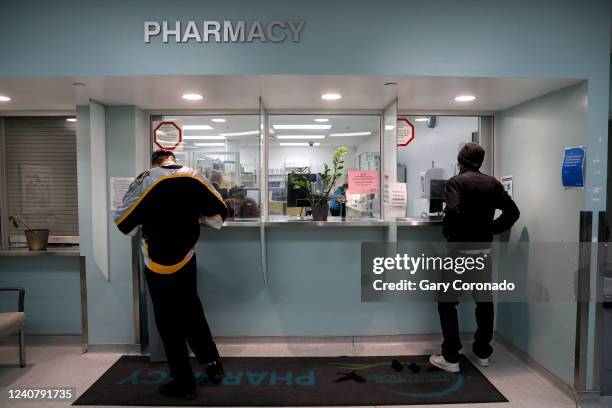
(279, 92)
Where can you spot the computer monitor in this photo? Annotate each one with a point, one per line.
(437, 190)
(296, 197)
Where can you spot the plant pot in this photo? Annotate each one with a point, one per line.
(319, 211)
(37, 239)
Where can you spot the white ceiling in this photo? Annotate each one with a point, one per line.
(277, 91)
(250, 123)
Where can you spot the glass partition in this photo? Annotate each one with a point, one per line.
(430, 159)
(226, 150)
(304, 144)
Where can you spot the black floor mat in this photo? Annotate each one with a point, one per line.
(298, 381)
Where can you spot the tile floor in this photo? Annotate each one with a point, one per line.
(61, 363)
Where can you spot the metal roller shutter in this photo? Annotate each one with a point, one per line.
(41, 173)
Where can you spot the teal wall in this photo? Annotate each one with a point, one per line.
(110, 304)
(403, 37)
(314, 284)
(53, 292)
(529, 140)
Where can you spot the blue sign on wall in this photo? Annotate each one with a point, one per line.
(572, 170)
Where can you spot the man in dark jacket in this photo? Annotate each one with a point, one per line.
(469, 225)
(168, 201)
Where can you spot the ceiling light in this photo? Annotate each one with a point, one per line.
(421, 119)
(465, 98)
(193, 97)
(299, 144)
(331, 96)
(197, 127)
(209, 144)
(351, 134)
(71, 119)
(250, 132)
(204, 137)
(302, 127)
(271, 131)
(389, 127)
(4, 98)
(300, 137)
(321, 120)
(219, 120)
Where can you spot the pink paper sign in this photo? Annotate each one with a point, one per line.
(362, 182)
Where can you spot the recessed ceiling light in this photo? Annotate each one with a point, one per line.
(302, 127)
(321, 120)
(204, 137)
(421, 119)
(300, 136)
(4, 98)
(197, 127)
(389, 127)
(331, 96)
(271, 131)
(299, 144)
(219, 120)
(247, 133)
(209, 144)
(193, 97)
(351, 134)
(71, 119)
(465, 98)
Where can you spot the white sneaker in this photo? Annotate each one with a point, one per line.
(441, 363)
(483, 362)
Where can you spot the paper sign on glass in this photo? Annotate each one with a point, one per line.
(119, 186)
(362, 182)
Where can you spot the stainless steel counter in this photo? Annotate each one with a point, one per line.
(418, 222)
(332, 222)
(242, 223)
(51, 251)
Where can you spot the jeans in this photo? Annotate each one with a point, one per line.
(447, 309)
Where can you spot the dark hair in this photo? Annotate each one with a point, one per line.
(216, 177)
(237, 192)
(249, 208)
(471, 156)
(159, 156)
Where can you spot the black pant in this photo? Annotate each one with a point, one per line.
(447, 309)
(180, 318)
(450, 330)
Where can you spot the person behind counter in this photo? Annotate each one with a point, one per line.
(167, 201)
(216, 179)
(242, 206)
(468, 225)
(335, 207)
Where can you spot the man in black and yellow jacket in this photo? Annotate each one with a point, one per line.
(168, 201)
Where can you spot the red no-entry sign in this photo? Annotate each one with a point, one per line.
(405, 132)
(167, 135)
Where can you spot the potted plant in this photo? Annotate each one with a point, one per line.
(36, 238)
(319, 200)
